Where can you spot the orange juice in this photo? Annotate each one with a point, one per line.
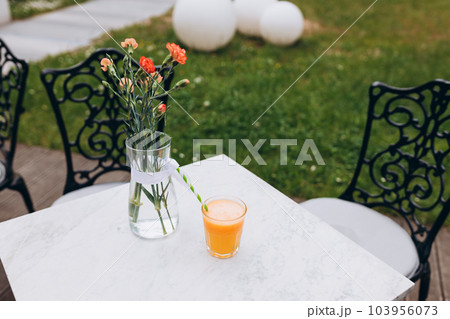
(223, 225)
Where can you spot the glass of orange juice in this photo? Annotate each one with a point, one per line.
(223, 222)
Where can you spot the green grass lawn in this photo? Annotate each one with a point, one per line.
(403, 43)
(21, 9)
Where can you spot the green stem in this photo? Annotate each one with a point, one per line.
(168, 214)
(135, 202)
(164, 197)
(157, 204)
(162, 223)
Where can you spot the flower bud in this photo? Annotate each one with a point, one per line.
(182, 83)
(162, 108)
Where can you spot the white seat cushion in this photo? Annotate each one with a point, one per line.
(376, 233)
(84, 192)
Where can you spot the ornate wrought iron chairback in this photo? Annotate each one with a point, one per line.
(13, 77)
(14, 73)
(407, 176)
(101, 134)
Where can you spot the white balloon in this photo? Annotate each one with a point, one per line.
(204, 25)
(248, 13)
(281, 23)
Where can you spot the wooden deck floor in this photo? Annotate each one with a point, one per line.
(44, 172)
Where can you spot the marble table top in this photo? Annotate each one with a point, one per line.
(84, 250)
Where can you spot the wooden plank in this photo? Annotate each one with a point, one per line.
(44, 186)
(39, 167)
(443, 240)
(435, 293)
(414, 295)
(11, 205)
(6, 293)
(29, 156)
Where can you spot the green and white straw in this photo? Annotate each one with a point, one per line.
(191, 187)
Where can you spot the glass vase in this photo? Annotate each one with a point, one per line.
(152, 207)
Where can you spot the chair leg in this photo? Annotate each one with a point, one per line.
(19, 185)
(424, 284)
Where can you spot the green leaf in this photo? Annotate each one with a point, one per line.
(165, 188)
(149, 196)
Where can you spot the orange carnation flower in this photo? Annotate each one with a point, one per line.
(178, 54)
(147, 65)
(129, 42)
(105, 62)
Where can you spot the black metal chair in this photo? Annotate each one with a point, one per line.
(13, 77)
(407, 177)
(99, 136)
